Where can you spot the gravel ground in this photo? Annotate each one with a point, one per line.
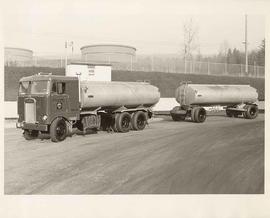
(222, 155)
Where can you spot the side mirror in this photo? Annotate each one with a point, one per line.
(85, 89)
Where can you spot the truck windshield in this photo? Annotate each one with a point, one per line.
(34, 87)
(40, 87)
(24, 87)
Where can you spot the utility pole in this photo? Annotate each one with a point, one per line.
(152, 62)
(70, 44)
(66, 43)
(246, 44)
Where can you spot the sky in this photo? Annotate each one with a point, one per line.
(150, 26)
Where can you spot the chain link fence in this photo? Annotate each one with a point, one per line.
(163, 65)
(196, 67)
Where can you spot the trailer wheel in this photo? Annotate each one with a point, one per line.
(199, 115)
(58, 130)
(177, 117)
(122, 122)
(30, 134)
(138, 120)
(229, 113)
(252, 112)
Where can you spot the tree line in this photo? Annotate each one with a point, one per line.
(235, 56)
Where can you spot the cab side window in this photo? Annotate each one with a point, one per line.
(59, 88)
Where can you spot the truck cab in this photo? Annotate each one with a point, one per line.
(44, 98)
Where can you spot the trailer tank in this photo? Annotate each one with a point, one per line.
(116, 94)
(239, 100)
(209, 94)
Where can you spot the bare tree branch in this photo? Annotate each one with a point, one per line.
(190, 34)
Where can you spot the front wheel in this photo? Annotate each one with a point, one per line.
(30, 134)
(58, 130)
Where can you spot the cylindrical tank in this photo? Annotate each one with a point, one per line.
(117, 94)
(209, 94)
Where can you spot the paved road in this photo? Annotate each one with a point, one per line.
(222, 155)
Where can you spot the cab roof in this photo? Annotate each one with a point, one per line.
(38, 77)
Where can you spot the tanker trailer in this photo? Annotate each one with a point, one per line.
(236, 99)
(54, 105)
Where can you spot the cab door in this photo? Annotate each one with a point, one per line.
(59, 106)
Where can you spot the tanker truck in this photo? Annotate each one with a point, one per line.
(237, 100)
(54, 105)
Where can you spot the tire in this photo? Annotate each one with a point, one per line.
(138, 120)
(229, 113)
(176, 117)
(30, 134)
(192, 114)
(252, 112)
(199, 115)
(115, 117)
(122, 122)
(58, 130)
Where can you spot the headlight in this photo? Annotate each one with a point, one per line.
(45, 117)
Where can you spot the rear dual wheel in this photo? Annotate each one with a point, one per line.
(251, 112)
(139, 120)
(124, 121)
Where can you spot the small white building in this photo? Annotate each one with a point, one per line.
(90, 71)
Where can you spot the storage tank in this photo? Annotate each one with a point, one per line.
(18, 56)
(116, 94)
(209, 94)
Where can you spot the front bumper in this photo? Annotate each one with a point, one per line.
(32, 126)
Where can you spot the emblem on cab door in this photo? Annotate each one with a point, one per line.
(59, 105)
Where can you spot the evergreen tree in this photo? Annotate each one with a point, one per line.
(229, 56)
(261, 54)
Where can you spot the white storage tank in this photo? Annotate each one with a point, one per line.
(210, 94)
(108, 53)
(18, 56)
